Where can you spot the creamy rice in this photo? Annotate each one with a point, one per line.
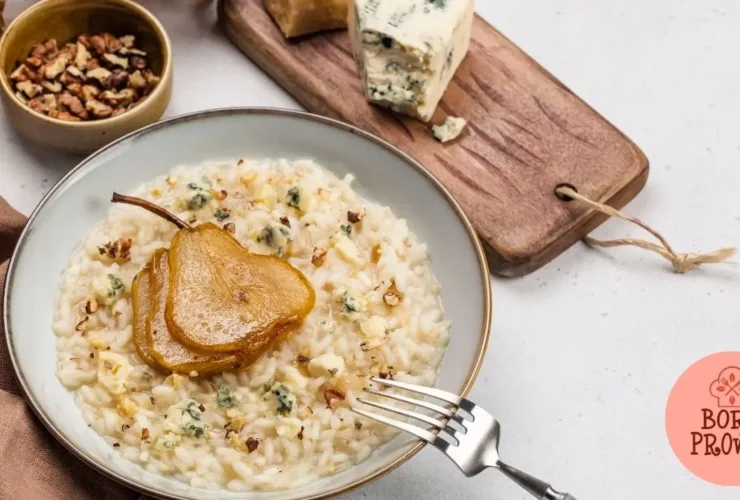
(267, 427)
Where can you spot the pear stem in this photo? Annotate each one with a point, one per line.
(148, 205)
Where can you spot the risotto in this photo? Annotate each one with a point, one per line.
(285, 420)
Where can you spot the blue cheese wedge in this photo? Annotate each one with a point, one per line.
(450, 129)
(408, 50)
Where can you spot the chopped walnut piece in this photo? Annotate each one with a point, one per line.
(82, 325)
(112, 44)
(118, 251)
(285, 221)
(332, 393)
(302, 359)
(144, 433)
(34, 62)
(133, 52)
(75, 89)
(68, 78)
(51, 47)
(99, 74)
(115, 60)
(29, 88)
(98, 44)
(56, 67)
(137, 80)
(38, 105)
(69, 51)
(137, 62)
(151, 79)
(82, 57)
(252, 444)
(91, 305)
(92, 64)
(73, 104)
(75, 71)
(319, 254)
(50, 100)
(64, 115)
(90, 91)
(38, 51)
(21, 74)
(230, 227)
(116, 99)
(119, 78)
(98, 109)
(355, 217)
(127, 41)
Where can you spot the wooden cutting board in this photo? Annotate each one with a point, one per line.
(527, 134)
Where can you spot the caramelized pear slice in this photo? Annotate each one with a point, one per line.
(141, 303)
(165, 349)
(224, 298)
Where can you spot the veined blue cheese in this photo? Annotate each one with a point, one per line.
(450, 129)
(408, 50)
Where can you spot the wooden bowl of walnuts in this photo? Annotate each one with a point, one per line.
(76, 75)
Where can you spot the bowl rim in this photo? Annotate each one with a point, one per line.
(260, 111)
(133, 7)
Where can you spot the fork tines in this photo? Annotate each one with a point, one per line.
(427, 436)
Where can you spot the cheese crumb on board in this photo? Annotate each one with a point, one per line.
(408, 50)
(450, 129)
(301, 17)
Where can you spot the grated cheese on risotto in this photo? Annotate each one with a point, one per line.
(285, 420)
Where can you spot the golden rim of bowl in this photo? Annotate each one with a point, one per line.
(166, 48)
(485, 326)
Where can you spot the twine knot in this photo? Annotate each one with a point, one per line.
(682, 262)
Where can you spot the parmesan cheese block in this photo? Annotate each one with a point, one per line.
(301, 17)
(408, 50)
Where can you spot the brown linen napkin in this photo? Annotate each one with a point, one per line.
(33, 464)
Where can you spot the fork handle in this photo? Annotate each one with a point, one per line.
(536, 487)
(554, 495)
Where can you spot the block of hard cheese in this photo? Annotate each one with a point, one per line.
(408, 50)
(301, 17)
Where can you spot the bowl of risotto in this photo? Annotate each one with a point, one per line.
(399, 288)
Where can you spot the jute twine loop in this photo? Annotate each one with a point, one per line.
(682, 262)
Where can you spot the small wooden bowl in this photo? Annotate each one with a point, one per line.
(64, 20)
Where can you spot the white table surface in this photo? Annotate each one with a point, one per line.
(585, 351)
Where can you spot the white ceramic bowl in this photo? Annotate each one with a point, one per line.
(80, 200)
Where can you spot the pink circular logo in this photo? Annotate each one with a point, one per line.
(703, 418)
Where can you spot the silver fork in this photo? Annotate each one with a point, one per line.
(473, 447)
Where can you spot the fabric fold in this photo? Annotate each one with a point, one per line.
(35, 465)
